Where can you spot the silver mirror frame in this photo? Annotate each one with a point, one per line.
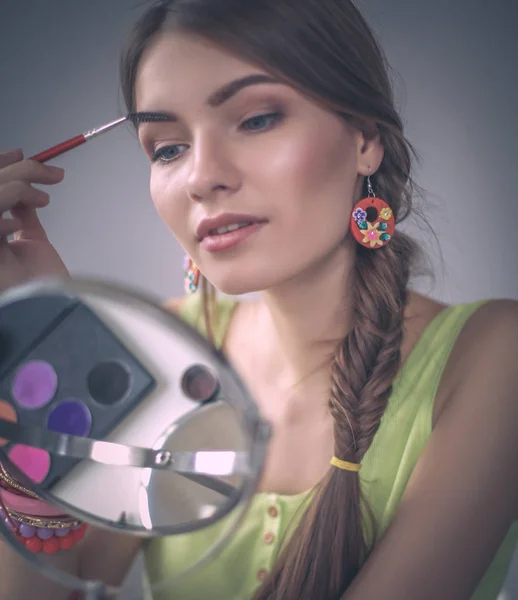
(258, 430)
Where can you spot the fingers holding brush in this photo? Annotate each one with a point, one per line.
(29, 254)
(8, 226)
(21, 193)
(23, 223)
(16, 190)
(10, 157)
(17, 194)
(13, 168)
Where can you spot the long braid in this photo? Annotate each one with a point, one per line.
(367, 361)
(363, 370)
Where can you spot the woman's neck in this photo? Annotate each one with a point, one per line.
(305, 318)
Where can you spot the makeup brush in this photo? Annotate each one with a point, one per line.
(140, 117)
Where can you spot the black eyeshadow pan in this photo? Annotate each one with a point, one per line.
(108, 382)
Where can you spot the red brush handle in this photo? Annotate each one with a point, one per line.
(59, 149)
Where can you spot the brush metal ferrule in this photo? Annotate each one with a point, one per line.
(95, 132)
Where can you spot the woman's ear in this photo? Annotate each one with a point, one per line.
(370, 148)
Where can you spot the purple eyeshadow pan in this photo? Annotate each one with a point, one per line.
(71, 417)
(35, 384)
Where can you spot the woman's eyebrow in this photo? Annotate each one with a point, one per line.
(217, 98)
(226, 92)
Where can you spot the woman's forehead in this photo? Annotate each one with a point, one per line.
(180, 64)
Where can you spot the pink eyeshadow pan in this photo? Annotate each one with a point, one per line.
(34, 384)
(34, 462)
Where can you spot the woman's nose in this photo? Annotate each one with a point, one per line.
(212, 171)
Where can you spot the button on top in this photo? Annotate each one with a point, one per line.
(273, 511)
(262, 574)
(268, 537)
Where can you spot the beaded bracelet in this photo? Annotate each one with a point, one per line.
(45, 529)
(42, 535)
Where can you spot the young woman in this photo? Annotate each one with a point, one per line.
(283, 169)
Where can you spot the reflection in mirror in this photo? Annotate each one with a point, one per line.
(117, 413)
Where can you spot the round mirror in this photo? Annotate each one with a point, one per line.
(117, 413)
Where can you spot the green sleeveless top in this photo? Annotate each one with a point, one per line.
(238, 570)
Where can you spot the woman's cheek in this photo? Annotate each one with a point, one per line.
(167, 198)
(155, 188)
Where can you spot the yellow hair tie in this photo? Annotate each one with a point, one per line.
(346, 466)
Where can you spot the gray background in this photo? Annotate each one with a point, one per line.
(455, 77)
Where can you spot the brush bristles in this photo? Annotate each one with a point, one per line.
(147, 117)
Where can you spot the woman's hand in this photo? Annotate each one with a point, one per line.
(30, 254)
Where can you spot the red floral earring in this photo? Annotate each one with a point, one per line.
(191, 277)
(372, 221)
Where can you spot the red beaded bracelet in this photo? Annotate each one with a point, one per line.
(54, 543)
(37, 534)
(44, 539)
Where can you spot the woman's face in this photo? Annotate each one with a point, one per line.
(261, 156)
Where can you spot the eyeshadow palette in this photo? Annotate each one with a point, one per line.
(62, 369)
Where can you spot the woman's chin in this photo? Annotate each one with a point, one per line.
(237, 289)
(238, 286)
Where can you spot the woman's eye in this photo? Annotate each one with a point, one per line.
(166, 154)
(261, 122)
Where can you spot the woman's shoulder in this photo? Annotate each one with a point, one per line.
(465, 323)
(421, 310)
(487, 343)
(464, 473)
(462, 339)
(492, 321)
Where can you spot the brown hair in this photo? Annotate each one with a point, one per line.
(325, 49)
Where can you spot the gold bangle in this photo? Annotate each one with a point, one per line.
(55, 523)
(4, 475)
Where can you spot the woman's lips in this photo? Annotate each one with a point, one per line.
(231, 239)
